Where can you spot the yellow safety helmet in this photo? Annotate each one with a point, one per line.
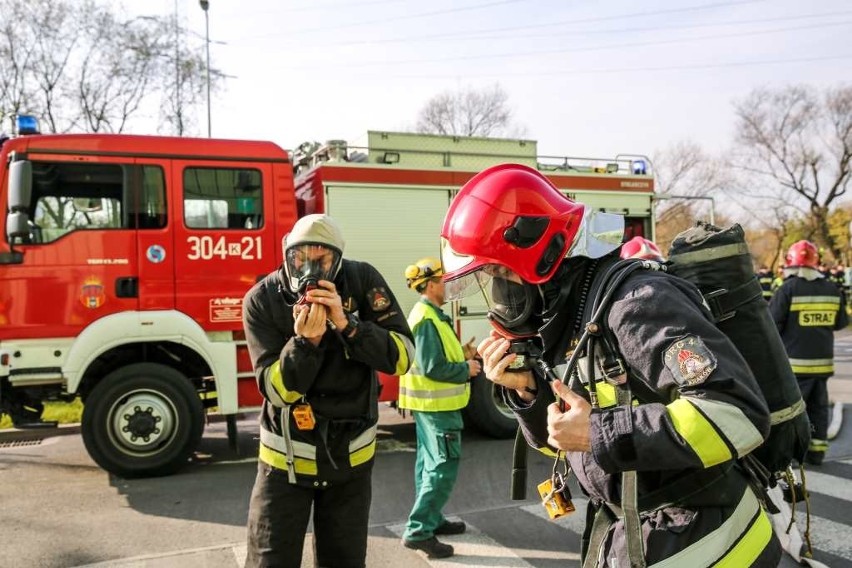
(421, 271)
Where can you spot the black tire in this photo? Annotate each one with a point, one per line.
(142, 420)
(487, 412)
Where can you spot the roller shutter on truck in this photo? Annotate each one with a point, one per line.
(390, 227)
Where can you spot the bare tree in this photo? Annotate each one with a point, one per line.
(687, 179)
(800, 141)
(469, 112)
(81, 66)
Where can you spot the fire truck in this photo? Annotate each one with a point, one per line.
(125, 260)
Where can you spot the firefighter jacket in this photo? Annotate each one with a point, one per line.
(765, 278)
(807, 311)
(337, 378)
(438, 379)
(695, 409)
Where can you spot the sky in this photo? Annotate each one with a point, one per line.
(584, 78)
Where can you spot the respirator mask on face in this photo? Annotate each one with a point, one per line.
(514, 308)
(306, 264)
(515, 312)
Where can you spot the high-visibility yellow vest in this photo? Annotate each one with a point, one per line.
(419, 392)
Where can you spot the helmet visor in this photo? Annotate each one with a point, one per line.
(510, 300)
(308, 263)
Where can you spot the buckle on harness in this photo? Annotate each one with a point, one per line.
(613, 371)
(714, 302)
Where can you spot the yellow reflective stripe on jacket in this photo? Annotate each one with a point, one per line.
(363, 447)
(698, 432)
(274, 387)
(732, 422)
(419, 392)
(406, 352)
(812, 366)
(273, 451)
(739, 541)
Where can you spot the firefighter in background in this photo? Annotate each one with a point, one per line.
(765, 278)
(640, 247)
(539, 258)
(807, 309)
(778, 280)
(317, 331)
(435, 389)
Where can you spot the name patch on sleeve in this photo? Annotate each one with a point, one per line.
(689, 360)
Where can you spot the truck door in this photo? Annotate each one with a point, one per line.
(224, 237)
(80, 258)
(155, 237)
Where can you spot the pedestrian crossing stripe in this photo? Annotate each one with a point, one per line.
(479, 549)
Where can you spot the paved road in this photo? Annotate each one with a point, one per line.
(196, 518)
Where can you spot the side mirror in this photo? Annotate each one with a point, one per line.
(17, 225)
(20, 184)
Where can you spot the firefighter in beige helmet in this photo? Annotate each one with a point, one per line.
(317, 331)
(435, 390)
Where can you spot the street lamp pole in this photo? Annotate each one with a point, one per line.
(205, 4)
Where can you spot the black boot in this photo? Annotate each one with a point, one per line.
(433, 547)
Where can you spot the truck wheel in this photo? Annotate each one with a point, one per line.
(487, 412)
(142, 420)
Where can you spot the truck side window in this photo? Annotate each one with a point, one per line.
(222, 198)
(68, 197)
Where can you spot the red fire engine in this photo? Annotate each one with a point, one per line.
(126, 258)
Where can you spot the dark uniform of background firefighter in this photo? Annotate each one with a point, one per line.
(699, 406)
(435, 390)
(317, 329)
(807, 308)
(765, 278)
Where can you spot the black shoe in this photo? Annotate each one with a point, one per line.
(432, 547)
(451, 527)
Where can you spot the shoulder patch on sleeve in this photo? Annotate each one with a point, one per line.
(689, 360)
(378, 298)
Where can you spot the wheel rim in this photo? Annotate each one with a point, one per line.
(142, 422)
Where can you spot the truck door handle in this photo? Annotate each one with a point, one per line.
(127, 287)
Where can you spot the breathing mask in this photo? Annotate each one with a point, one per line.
(514, 308)
(313, 251)
(306, 264)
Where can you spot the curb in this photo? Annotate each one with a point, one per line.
(25, 434)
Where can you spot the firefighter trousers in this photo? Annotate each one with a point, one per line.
(815, 395)
(435, 470)
(278, 520)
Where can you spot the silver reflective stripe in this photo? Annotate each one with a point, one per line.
(811, 362)
(815, 300)
(280, 444)
(731, 421)
(714, 546)
(363, 439)
(710, 254)
(455, 390)
(788, 413)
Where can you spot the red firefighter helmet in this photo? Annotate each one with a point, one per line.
(513, 216)
(802, 253)
(640, 247)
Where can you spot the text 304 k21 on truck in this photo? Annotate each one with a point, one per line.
(124, 261)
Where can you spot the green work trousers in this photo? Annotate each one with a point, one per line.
(435, 470)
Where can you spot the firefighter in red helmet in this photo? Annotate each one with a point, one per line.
(807, 309)
(652, 439)
(640, 247)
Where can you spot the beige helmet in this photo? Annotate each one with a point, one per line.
(422, 271)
